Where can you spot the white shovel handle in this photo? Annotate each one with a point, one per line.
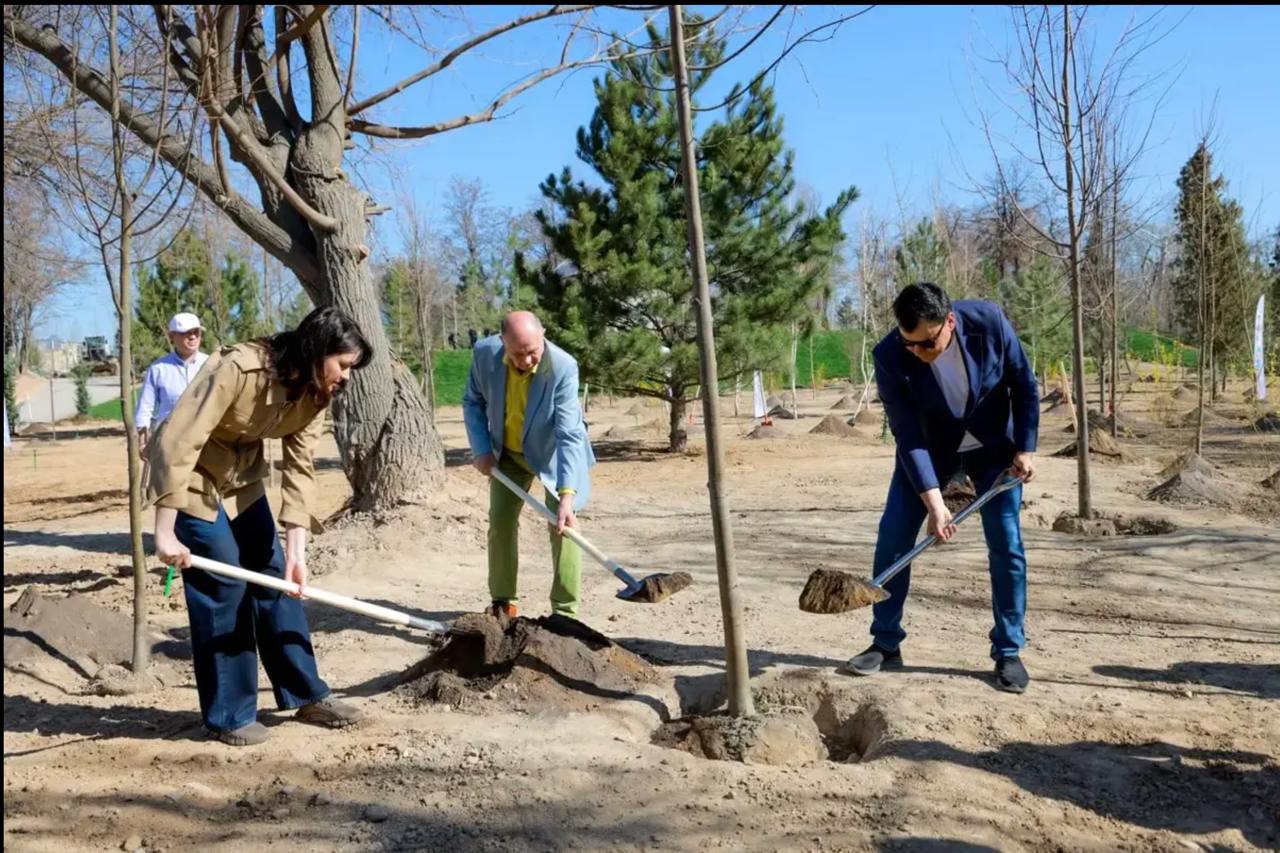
(333, 599)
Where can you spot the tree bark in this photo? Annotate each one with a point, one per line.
(679, 430)
(1084, 490)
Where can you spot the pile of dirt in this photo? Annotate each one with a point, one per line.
(1270, 422)
(43, 633)
(783, 412)
(835, 425)
(1101, 446)
(1103, 524)
(553, 662)
(654, 429)
(1099, 421)
(766, 431)
(1195, 482)
(846, 403)
(959, 493)
(865, 418)
(1186, 392)
(833, 591)
(1211, 418)
(1272, 482)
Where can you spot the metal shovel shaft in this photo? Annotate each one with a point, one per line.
(333, 599)
(612, 565)
(905, 560)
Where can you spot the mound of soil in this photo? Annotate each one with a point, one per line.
(72, 629)
(1099, 421)
(1186, 392)
(766, 431)
(43, 632)
(959, 493)
(832, 591)
(1113, 525)
(865, 418)
(1192, 418)
(1195, 482)
(834, 425)
(1270, 422)
(652, 430)
(773, 402)
(552, 662)
(845, 404)
(1101, 446)
(1190, 461)
(783, 412)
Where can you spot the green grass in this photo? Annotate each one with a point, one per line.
(1157, 348)
(109, 410)
(451, 369)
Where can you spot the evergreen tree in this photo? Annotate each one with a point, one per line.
(1230, 282)
(617, 290)
(1039, 309)
(922, 256)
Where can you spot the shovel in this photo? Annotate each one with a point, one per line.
(333, 599)
(830, 591)
(649, 590)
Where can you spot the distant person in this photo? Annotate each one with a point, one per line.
(487, 332)
(207, 475)
(169, 376)
(471, 333)
(960, 395)
(522, 417)
(453, 340)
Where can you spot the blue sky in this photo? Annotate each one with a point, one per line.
(887, 104)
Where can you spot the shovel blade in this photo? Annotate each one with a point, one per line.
(656, 588)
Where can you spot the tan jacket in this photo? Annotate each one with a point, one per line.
(210, 448)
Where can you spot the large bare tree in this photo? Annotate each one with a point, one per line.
(236, 70)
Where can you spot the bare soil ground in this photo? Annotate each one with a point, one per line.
(1152, 721)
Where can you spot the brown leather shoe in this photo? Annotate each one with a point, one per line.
(330, 712)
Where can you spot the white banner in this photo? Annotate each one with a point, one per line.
(758, 407)
(1259, 368)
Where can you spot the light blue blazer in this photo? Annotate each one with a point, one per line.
(556, 445)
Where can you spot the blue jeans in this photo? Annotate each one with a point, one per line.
(232, 622)
(904, 514)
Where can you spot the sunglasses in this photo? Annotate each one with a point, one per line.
(924, 345)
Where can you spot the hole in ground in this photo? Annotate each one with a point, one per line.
(1105, 524)
(795, 724)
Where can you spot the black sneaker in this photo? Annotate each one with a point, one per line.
(872, 661)
(1011, 675)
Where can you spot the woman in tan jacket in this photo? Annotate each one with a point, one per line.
(207, 484)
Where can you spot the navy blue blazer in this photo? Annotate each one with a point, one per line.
(1003, 411)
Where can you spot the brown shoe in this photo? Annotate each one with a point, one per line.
(250, 735)
(330, 712)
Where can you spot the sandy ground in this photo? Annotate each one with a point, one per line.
(1152, 722)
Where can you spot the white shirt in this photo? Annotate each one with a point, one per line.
(163, 385)
(953, 378)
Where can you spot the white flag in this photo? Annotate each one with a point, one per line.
(1259, 369)
(758, 404)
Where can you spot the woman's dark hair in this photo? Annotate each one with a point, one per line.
(297, 357)
(923, 302)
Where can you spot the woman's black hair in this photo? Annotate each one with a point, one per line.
(297, 357)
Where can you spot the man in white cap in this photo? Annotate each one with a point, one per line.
(169, 376)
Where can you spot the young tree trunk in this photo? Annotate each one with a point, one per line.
(1084, 490)
(1115, 306)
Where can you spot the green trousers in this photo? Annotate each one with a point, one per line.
(504, 542)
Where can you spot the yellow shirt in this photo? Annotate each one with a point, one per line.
(517, 402)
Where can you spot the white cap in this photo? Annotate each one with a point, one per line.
(183, 323)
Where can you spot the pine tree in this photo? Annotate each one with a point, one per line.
(922, 256)
(618, 292)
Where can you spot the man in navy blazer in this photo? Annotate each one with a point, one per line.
(960, 395)
(522, 416)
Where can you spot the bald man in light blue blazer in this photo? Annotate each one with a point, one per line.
(522, 417)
